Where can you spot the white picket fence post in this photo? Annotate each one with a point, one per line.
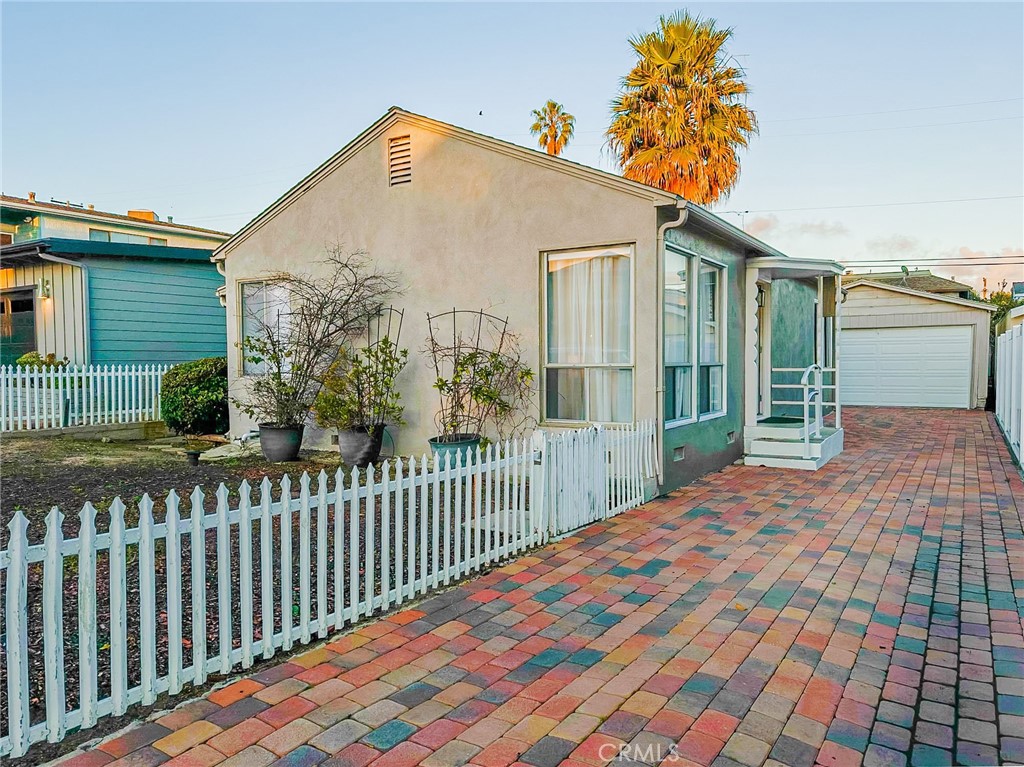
(33, 398)
(362, 543)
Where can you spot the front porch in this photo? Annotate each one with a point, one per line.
(792, 415)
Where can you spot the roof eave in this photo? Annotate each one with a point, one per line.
(395, 114)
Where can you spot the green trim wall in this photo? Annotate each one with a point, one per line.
(793, 308)
(695, 449)
(144, 311)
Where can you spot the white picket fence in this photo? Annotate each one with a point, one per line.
(1010, 388)
(597, 473)
(78, 395)
(340, 550)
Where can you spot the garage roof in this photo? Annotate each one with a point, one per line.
(942, 297)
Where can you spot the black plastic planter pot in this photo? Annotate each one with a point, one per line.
(360, 447)
(280, 443)
(193, 457)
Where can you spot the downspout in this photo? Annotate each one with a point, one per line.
(659, 318)
(86, 334)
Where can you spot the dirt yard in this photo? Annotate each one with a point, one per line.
(39, 473)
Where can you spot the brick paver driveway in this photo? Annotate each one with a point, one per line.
(866, 613)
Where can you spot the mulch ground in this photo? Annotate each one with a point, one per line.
(41, 473)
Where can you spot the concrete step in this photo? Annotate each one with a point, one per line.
(789, 454)
(781, 430)
(794, 448)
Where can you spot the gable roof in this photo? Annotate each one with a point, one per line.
(22, 203)
(920, 294)
(919, 279)
(395, 115)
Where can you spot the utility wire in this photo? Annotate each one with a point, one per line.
(895, 111)
(873, 205)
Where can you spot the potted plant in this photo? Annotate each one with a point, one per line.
(295, 332)
(359, 399)
(480, 378)
(277, 400)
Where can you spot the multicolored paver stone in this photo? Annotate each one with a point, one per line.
(866, 614)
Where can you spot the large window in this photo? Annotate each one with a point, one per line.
(262, 305)
(694, 337)
(709, 380)
(678, 338)
(588, 372)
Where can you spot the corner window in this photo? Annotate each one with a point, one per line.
(694, 337)
(262, 305)
(588, 370)
(678, 338)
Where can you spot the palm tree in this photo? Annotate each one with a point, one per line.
(554, 126)
(680, 119)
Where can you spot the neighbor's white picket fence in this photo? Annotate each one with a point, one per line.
(357, 545)
(78, 395)
(1010, 388)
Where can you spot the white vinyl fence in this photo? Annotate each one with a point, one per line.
(1010, 388)
(270, 569)
(78, 395)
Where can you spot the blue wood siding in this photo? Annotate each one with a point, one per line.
(146, 311)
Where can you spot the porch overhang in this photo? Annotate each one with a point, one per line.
(773, 267)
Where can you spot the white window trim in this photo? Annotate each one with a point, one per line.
(692, 280)
(240, 321)
(545, 366)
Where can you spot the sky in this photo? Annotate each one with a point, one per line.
(890, 133)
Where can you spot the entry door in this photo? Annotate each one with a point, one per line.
(906, 367)
(17, 325)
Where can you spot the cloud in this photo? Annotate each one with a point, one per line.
(823, 228)
(900, 244)
(761, 225)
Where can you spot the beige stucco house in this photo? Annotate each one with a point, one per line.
(906, 346)
(681, 303)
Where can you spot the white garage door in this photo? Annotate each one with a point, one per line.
(910, 367)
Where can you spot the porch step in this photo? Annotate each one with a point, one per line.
(777, 429)
(794, 448)
(789, 453)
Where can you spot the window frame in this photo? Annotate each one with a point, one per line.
(693, 265)
(240, 320)
(545, 365)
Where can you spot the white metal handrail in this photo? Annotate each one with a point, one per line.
(812, 391)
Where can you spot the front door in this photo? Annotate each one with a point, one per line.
(17, 325)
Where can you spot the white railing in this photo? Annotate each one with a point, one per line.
(812, 388)
(78, 395)
(341, 549)
(1010, 388)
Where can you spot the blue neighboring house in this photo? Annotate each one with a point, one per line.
(111, 290)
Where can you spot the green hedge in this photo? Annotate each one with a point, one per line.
(194, 397)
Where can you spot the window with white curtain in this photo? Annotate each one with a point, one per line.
(261, 304)
(678, 337)
(588, 371)
(711, 332)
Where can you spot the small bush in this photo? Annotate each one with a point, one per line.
(194, 397)
(36, 360)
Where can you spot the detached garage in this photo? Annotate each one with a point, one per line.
(903, 347)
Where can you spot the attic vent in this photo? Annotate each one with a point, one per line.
(399, 160)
